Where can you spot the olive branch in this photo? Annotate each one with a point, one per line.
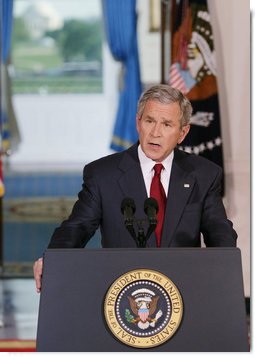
(128, 316)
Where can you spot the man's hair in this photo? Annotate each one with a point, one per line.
(166, 94)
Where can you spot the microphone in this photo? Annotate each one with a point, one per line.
(151, 210)
(128, 209)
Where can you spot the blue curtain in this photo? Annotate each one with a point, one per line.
(9, 132)
(6, 30)
(120, 24)
(6, 7)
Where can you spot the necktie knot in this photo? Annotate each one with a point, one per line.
(158, 168)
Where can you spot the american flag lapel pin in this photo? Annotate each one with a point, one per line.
(186, 185)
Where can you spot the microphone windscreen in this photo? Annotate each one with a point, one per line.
(128, 203)
(150, 203)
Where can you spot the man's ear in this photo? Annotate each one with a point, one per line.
(138, 119)
(183, 133)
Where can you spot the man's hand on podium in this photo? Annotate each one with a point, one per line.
(38, 267)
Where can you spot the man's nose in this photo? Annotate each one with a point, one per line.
(156, 131)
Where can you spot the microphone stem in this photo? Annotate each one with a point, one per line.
(131, 230)
(141, 237)
(151, 229)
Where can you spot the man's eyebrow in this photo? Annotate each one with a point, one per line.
(167, 120)
(148, 116)
(164, 120)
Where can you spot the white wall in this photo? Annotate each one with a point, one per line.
(149, 45)
(231, 25)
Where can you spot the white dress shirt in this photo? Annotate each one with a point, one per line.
(147, 166)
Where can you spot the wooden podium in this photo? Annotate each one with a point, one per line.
(79, 285)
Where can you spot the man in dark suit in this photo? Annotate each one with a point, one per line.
(191, 185)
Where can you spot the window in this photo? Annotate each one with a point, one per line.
(57, 47)
(61, 95)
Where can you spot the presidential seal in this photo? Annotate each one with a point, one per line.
(143, 308)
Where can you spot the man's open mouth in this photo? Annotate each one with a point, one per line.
(154, 144)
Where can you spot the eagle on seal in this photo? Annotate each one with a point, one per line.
(143, 304)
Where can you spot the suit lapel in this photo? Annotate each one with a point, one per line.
(180, 187)
(131, 180)
(132, 184)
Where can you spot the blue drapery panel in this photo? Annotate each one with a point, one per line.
(9, 132)
(6, 7)
(9, 129)
(6, 30)
(120, 24)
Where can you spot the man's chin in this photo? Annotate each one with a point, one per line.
(153, 156)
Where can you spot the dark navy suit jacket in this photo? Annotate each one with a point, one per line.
(194, 204)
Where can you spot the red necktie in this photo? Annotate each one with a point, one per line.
(157, 191)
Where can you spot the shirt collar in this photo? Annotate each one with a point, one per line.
(148, 164)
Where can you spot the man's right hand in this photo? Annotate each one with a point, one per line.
(38, 268)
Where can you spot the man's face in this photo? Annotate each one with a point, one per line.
(159, 129)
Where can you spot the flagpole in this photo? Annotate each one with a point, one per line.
(165, 40)
(1, 203)
(1, 235)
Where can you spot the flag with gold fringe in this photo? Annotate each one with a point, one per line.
(9, 131)
(193, 71)
(2, 189)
